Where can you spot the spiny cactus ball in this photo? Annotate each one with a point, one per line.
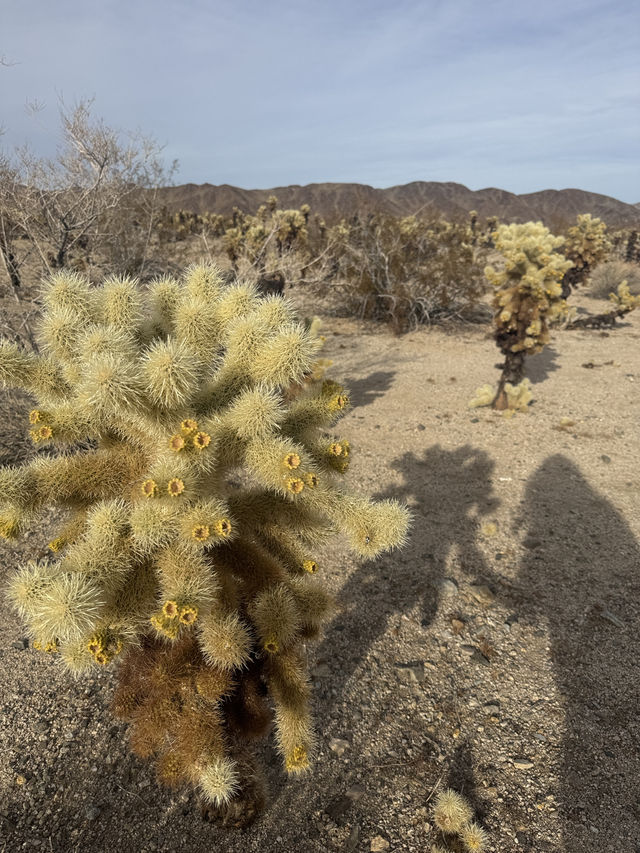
(189, 447)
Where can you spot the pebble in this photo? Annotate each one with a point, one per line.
(353, 839)
(413, 671)
(378, 844)
(482, 594)
(522, 763)
(446, 586)
(339, 746)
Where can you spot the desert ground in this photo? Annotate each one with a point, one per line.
(498, 653)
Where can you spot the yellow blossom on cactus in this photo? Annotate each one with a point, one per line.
(200, 532)
(45, 432)
(35, 416)
(335, 449)
(176, 443)
(188, 614)
(95, 644)
(102, 658)
(310, 566)
(311, 479)
(295, 485)
(271, 645)
(170, 609)
(56, 544)
(222, 527)
(189, 426)
(149, 488)
(175, 487)
(292, 461)
(201, 440)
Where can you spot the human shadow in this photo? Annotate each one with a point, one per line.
(582, 577)
(362, 392)
(449, 491)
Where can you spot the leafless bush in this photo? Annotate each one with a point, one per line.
(95, 201)
(404, 271)
(606, 277)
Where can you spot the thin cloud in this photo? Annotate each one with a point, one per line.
(520, 96)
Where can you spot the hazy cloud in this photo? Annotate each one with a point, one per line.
(519, 95)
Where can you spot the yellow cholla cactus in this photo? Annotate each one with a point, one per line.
(586, 246)
(527, 297)
(197, 580)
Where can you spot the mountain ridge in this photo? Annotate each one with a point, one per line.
(451, 199)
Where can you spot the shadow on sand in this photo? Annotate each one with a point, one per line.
(449, 491)
(582, 577)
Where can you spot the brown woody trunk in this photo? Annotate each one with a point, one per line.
(513, 372)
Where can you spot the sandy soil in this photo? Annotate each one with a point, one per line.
(498, 653)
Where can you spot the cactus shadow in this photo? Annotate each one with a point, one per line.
(540, 365)
(362, 392)
(448, 490)
(581, 576)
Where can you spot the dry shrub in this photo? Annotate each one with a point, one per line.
(404, 271)
(606, 278)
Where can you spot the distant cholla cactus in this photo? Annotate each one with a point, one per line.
(188, 448)
(623, 303)
(527, 299)
(586, 246)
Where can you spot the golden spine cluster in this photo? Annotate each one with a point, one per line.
(189, 445)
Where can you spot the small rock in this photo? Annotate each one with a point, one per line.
(353, 839)
(491, 709)
(321, 670)
(413, 671)
(378, 844)
(482, 594)
(356, 793)
(339, 746)
(610, 617)
(606, 459)
(522, 763)
(531, 542)
(446, 586)
(21, 644)
(421, 427)
(478, 657)
(92, 812)
(468, 650)
(457, 625)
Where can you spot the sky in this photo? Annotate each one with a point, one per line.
(523, 95)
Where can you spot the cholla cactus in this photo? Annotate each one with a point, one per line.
(191, 451)
(453, 816)
(623, 303)
(586, 246)
(527, 297)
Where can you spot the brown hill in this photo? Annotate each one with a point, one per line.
(554, 207)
